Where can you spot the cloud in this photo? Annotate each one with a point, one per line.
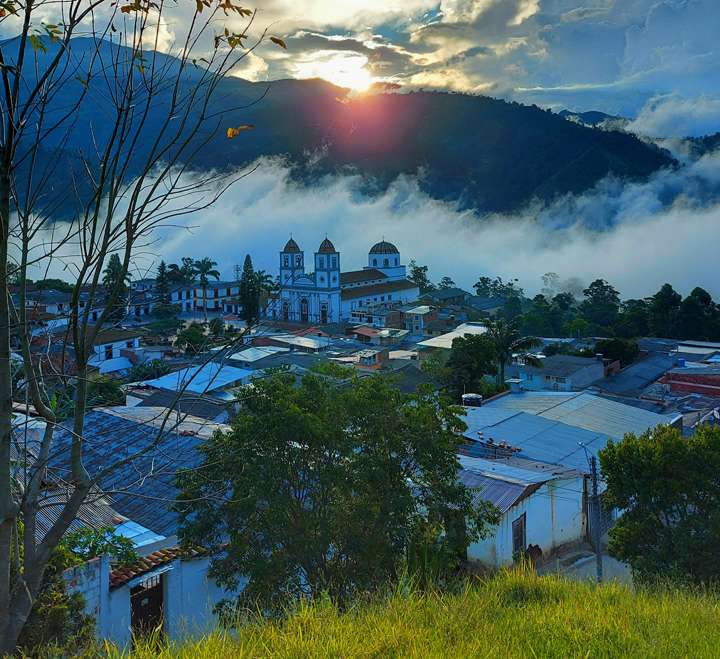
(637, 236)
(673, 114)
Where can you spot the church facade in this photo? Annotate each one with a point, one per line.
(328, 295)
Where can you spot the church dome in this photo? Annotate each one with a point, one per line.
(291, 246)
(384, 247)
(326, 246)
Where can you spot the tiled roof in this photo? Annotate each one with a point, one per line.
(562, 365)
(355, 276)
(376, 289)
(122, 575)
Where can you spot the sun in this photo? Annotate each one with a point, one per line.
(342, 69)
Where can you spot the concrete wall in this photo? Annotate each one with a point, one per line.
(554, 516)
(189, 596)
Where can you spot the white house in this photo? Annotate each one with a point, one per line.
(110, 345)
(184, 296)
(217, 294)
(562, 373)
(168, 590)
(543, 507)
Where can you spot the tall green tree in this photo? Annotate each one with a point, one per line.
(492, 288)
(445, 283)
(663, 311)
(249, 293)
(205, 268)
(185, 274)
(472, 357)
(115, 280)
(601, 303)
(162, 284)
(668, 488)
(322, 488)
(418, 275)
(509, 344)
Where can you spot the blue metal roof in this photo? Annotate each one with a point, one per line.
(142, 490)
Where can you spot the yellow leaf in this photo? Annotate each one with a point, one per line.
(199, 5)
(82, 80)
(279, 42)
(126, 9)
(233, 132)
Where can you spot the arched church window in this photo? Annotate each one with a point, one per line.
(297, 260)
(334, 262)
(386, 263)
(396, 261)
(374, 261)
(287, 261)
(322, 262)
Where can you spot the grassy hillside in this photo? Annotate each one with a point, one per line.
(516, 615)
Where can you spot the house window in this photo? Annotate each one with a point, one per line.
(560, 380)
(129, 344)
(389, 297)
(417, 317)
(108, 352)
(382, 299)
(417, 328)
(518, 535)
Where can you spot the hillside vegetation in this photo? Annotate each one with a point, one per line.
(480, 152)
(516, 615)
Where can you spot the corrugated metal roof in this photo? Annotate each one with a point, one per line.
(200, 379)
(498, 492)
(144, 489)
(583, 410)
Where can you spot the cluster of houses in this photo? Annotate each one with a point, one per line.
(527, 449)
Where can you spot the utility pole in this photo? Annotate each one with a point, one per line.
(597, 531)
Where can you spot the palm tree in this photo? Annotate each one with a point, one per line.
(510, 344)
(264, 281)
(204, 268)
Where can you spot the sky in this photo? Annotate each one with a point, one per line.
(655, 61)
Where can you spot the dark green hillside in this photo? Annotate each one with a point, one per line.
(484, 153)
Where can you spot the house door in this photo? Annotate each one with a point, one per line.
(518, 535)
(323, 314)
(304, 311)
(146, 607)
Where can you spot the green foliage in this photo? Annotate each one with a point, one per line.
(333, 370)
(511, 309)
(667, 486)
(87, 543)
(192, 338)
(150, 371)
(114, 281)
(624, 350)
(249, 293)
(162, 285)
(51, 284)
(216, 326)
(601, 304)
(445, 283)
(184, 274)
(508, 342)
(487, 287)
(164, 311)
(102, 390)
(515, 615)
(325, 498)
(165, 327)
(418, 275)
(472, 357)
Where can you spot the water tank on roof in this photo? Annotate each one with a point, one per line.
(472, 400)
(681, 363)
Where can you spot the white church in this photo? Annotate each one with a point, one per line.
(328, 295)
